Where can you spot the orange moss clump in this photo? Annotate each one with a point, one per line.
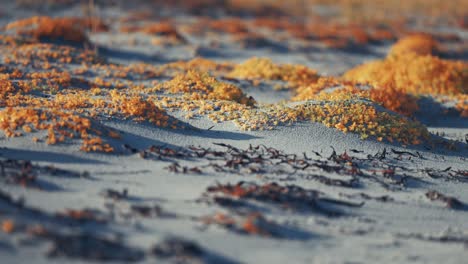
(263, 68)
(414, 74)
(204, 86)
(59, 125)
(93, 24)
(43, 54)
(200, 64)
(394, 100)
(8, 226)
(52, 80)
(421, 44)
(383, 11)
(95, 145)
(388, 97)
(9, 88)
(88, 23)
(365, 120)
(48, 28)
(164, 29)
(345, 113)
(228, 25)
(138, 108)
(309, 91)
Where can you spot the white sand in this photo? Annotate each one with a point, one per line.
(377, 232)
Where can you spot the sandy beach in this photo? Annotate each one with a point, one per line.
(233, 132)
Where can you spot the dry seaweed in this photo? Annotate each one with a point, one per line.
(26, 174)
(89, 247)
(290, 197)
(450, 202)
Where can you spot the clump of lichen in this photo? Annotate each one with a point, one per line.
(263, 68)
(410, 71)
(201, 85)
(162, 29)
(365, 120)
(414, 74)
(60, 125)
(420, 43)
(70, 29)
(199, 64)
(388, 97)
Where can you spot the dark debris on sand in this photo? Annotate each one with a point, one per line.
(273, 163)
(27, 174)
(290, 197)
(450, 202)
(88, 247)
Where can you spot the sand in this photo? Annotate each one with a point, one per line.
(383, 218)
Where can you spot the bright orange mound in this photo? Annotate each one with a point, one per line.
(394, 100)
(389, 97)
(365, 120)
(263, 68)
(164, 29)
(139, 109)
(414, 74)
(228, 25)
(65, 28)
(200, 64)
(59, 125)
(204, 86)
(421, 44)
(387, 10)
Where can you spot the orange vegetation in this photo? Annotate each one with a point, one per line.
(165, 29)
(138, 108)
(365, 120)
(59, 125)
(200, 64)
(203, 86)
(68, 104)
(421, 44)
(8, 226)
(414, 74)
(388, 97)
(66, 28)
(252, 224)
(228, 25)
(263, 68)
(366, 11)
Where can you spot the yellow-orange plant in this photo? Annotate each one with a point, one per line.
(204, 86)
(389, 97)
(166, 29)
(263, 68)
(59, 125)
(65, 28)
(414, 74)
(421, 44)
